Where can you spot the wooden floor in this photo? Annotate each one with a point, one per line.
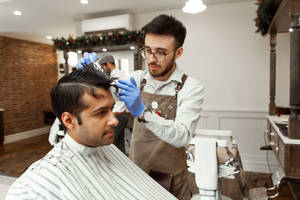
(16, 157)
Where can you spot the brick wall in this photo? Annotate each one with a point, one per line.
(28, 70)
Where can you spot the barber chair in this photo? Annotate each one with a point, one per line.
(213, 154)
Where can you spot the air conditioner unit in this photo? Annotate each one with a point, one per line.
(125, 21)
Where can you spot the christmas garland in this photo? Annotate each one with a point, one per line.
(97, 40)
(265, 13)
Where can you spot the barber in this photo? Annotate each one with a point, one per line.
(166, 103)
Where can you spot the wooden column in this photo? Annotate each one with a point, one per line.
(272, 105)
(66, 57)
(294, 121)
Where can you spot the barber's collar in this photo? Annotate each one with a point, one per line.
(82, 149)
(175, 76)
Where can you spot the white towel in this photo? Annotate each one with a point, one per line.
(55, 132)
(206, 165)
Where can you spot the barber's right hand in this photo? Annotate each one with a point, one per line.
(130, 94)
(85, 61)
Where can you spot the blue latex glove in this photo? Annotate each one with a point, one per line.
(86, 59)
(131, 96)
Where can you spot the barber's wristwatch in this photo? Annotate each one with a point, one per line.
(141, 118)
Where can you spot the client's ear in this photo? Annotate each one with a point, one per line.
(68, 120)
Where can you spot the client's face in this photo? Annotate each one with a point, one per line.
(98, 121)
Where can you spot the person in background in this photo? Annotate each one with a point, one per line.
(108, 64)
(84, 164)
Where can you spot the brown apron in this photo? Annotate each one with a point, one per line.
(152, 154)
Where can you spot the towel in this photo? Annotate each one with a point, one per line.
(206, 165)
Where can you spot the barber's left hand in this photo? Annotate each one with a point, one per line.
(86, 59)
(131, 96)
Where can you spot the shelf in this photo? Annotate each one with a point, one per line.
(123, 47)
(273, 119)
(285, 150)
(282, 19)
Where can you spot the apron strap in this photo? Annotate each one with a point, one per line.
(143, 84)
(180, 85)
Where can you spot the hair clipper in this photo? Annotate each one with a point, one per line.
(114, 91)
(96, 64)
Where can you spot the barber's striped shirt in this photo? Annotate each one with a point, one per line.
(71, 171)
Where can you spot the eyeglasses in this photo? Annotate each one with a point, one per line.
(160, 55)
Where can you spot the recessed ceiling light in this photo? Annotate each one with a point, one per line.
(194, 6)
(84, 1)
(48, 37)
(17, 12)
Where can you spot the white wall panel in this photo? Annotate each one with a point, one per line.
(248, 130)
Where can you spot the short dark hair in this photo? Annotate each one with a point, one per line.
(167, 25)
(66, 95)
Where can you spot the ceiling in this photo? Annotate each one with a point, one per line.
(57, 17)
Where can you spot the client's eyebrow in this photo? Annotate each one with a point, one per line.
(98, 96)
(103, 108)
(100, 109)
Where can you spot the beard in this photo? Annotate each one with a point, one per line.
(165, 71)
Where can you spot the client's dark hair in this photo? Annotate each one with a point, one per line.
(66, 95)
(167, 25)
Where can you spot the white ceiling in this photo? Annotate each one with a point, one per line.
(57, 17)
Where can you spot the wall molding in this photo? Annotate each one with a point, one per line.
(248, 128)
(26, 134)
(235, 110)
(255, 163)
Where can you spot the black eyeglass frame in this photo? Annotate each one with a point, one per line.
(165, 54)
